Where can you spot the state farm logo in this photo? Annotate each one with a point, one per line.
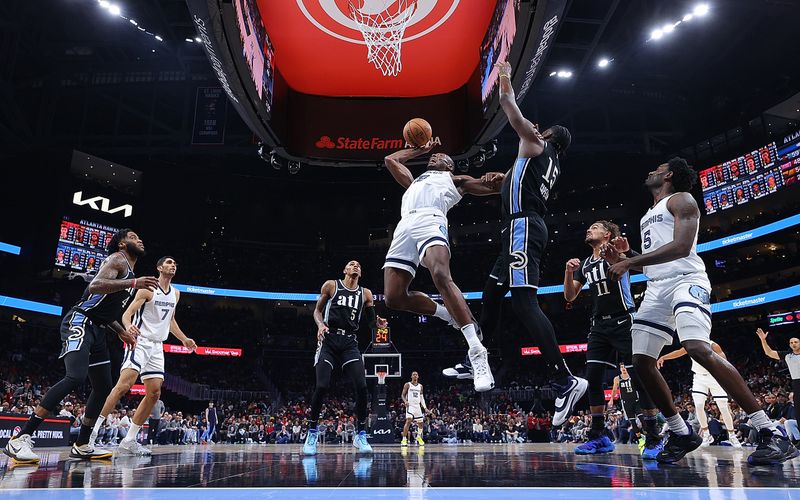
(335, 18)
(325, 142)
(379, 143)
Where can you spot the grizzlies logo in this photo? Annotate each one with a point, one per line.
(520, 260)
(700, 294)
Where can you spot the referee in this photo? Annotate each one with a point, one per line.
(790, 357)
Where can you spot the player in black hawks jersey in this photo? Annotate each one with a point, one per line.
(338, 314)
(85, 351)
(609, 338)
(524, 191)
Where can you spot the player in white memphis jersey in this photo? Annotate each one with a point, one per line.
(421, 237)
(151, 318)
(704, 385)
(416, 408)
(678, 298)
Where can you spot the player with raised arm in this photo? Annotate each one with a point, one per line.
(704, 385)
(422, 237)
(678, 299)
(85, 349)
(150, 317)
(415, 408)
(338, 313)
(525, 189)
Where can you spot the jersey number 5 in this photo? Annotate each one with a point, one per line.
(646, 241)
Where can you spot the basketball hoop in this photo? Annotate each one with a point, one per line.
(383, 32)
(381, 377)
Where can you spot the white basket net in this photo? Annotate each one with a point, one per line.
(383, 33)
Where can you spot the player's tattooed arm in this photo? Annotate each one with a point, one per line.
(687, 217)
(107, 279)
(325, 294)
(395, 163)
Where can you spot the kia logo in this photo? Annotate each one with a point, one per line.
(104, 204)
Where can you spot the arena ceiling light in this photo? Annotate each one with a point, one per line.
(116, 10)
(604, 62)
(699, 10)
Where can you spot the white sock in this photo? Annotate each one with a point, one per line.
(133, 431)
(98, 424)
(471, 335)
(443, 314)
(760, 420)
(678, 425)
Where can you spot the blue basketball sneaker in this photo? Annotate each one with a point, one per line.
(594, 446)
(310, 447)
(651, 446)
(361, 444)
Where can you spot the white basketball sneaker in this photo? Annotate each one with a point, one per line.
(20, 449)
(133, 448)
(482, 372)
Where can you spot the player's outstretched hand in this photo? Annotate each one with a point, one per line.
(660, 362)
(321, 331)
(761, 334)
(381, 322)
(621, 244)
(148, 282)
(573, 265)
(190, 344)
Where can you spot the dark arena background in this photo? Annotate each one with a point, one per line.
(246, 140)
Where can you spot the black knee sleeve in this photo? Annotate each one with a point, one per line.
(77, 367)
(324, 372)
(100, 377)
(526, 306)
(595, 372)
(492, 307)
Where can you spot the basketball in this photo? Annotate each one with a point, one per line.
(417, 132)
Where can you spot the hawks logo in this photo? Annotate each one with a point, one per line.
(520, 260)
(335, 18)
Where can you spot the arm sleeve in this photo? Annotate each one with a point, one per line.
(371, 317)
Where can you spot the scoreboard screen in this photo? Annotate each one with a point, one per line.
(738, 181)
(786, 318)
(82, 245)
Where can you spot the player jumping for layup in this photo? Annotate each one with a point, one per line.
(150, 318)
(338, 316)
(421, 236)
(85, 351)
(415, 408)
(678, 297)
